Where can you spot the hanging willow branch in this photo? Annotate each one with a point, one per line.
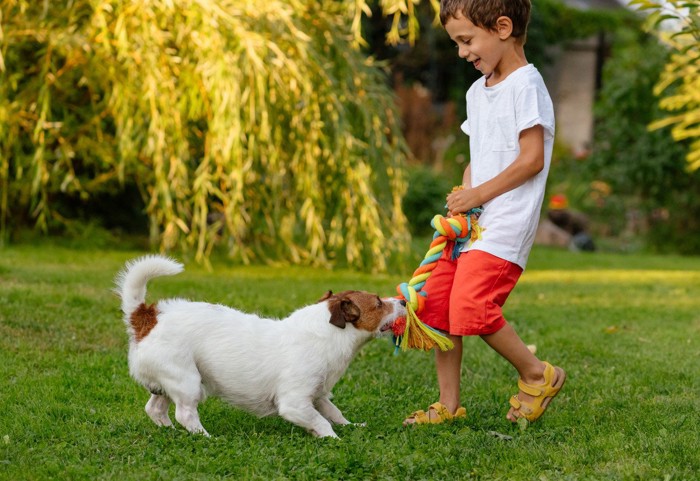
(250, 125)
(404, 19)
(679, 83)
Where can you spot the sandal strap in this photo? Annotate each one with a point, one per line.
(461, 412)
(442, 414)
(524, 409)
(537, 390)
(441, 410)
(420, 416)
(531, 389)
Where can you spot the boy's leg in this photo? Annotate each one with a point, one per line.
(508, 344)
(449, 371)
(436, 315)
(488, 281)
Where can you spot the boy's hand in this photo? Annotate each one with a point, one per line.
(461, 201)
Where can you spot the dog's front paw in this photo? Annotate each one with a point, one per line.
(360, 425)
(330, 434)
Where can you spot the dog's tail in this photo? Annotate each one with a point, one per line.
(131, 281)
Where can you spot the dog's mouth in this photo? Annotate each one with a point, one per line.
(387, 326)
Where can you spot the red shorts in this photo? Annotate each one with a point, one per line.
(465, 296)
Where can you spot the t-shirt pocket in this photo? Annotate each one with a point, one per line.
(504, 134)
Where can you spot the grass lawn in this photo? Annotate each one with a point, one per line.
(625, 327)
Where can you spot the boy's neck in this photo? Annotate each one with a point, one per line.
(510, 62)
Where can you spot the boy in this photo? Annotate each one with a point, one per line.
(510, 124)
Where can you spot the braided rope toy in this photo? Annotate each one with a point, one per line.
(410, 332)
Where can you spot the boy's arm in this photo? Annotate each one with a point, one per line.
(467, 177)
(528, 164)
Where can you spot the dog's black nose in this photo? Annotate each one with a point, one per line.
(402, 302)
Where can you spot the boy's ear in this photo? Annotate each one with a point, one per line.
(504, 27)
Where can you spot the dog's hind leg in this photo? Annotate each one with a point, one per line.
(329, 411)
(186, 396)
(187, 415)
(302, 413)
(157, 410)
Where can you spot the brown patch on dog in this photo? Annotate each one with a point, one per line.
(362, 309)
(143, 319)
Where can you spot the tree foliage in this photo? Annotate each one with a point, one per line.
(405, 22)
(430, 58)
(628, 156)
(250, 125)
(553, 20)
(646, 169)
(679, 83)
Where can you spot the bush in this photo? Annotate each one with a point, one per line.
(424, 198)
(645, 167)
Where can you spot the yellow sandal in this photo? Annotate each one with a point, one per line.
(443, 414)
(543, 393)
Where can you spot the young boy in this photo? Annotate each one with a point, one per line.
(510, 124)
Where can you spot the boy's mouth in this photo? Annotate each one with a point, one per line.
(476, 63)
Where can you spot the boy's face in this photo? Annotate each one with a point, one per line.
(482, 47)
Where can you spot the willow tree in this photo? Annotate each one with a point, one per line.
(255, 126)
(679, 84)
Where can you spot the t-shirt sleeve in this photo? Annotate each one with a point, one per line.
(466, 126)
(534, 107)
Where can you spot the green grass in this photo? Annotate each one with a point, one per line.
(625, 328)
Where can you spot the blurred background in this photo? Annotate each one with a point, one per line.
(327, 133)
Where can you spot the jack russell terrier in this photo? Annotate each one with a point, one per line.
(182, 351)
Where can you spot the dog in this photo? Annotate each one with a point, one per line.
(183, 351)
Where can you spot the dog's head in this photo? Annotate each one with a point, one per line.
(363, 310)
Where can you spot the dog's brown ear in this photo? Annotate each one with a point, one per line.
(343, 311)
(325, 297)
(337, 316)
(350, 310)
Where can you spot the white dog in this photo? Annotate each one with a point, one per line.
(182, 351)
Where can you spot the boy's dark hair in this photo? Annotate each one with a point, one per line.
(484, 13)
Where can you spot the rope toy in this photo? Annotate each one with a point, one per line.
(410, 332)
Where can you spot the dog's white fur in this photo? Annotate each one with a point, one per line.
(182, 351)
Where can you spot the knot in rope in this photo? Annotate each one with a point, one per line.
(455, 229)
(452, 227)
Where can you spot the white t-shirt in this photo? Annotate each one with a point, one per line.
(495, 117)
